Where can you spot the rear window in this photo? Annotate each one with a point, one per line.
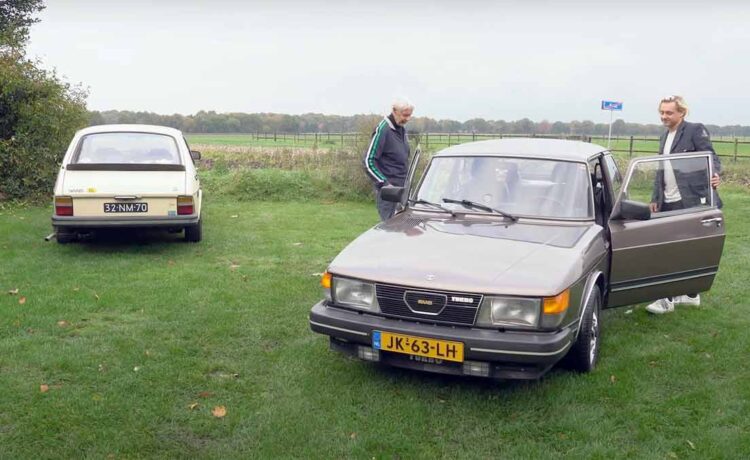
(128, 148)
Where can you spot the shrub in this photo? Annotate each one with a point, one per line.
(38, 116)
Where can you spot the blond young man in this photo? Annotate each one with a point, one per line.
(681, 136)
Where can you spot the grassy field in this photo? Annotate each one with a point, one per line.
(433, 142)
(126, 346)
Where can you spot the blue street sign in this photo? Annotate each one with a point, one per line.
(611, 105)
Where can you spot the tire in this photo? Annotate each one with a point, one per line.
(194, 233)
(64, 236)
(584, 354)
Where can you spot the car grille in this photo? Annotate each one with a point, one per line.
(429, 306)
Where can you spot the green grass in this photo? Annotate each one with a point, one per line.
(129, 332)
(435, 141)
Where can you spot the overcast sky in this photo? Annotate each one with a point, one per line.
(454, 59)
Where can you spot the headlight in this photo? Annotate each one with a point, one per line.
(354, 293)
(508, 311)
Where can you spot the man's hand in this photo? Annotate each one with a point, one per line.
(715, 181)
(654, 207)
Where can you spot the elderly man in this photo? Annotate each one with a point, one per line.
(670, 193)
(387, 157)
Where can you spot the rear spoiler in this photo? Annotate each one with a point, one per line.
(122, 167)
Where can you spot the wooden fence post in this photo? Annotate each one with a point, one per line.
(449, 139)
(735, 149)
(630, 149)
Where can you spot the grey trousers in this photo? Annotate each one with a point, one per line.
(386, 209)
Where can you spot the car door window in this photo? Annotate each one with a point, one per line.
(615, 178)
(683, 182)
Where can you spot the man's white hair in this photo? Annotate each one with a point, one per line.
(401, 104)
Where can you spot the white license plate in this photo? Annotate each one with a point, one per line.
(125, 207)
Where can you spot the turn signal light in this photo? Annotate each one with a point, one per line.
(325, 280)
(557, 304)
(184, 205)
(63, 206)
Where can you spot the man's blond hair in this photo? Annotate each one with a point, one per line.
(679, 101)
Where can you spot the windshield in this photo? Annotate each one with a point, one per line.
(124, 148)
(519, 186)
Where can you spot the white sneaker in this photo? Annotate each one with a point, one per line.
(687, 300)
(661, 306)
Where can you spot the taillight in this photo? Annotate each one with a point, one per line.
(184, 205)
(63, 206)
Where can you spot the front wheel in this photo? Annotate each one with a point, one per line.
(585, 352)
(194, 233)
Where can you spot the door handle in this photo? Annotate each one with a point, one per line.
(126, 197)
(714, 220)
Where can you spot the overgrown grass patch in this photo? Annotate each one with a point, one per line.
(138, 339)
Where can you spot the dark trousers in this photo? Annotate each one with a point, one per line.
(671, 206)
(386, 209)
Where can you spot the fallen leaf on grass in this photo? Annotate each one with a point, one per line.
(43, 388)
(296, 244)
(234, 266)
(353, 436)
(63, 323)
(193, 406)
(21, 300)
(170, 262)
(317, 275)
(652, 363)
(96, 296)
(219, 411)
(76, 289)
(612, 379)
(205, 394)
(629, 311)
(708, 355)
(136, 368)
(13, 291)
(234, 216)
(692, 446)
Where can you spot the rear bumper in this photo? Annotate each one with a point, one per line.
(124, 221)
(514, 355)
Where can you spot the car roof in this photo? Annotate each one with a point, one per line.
(552, 149)
(131, 129)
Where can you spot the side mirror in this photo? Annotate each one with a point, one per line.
(195, 155)
(632, 210)
(391, 193)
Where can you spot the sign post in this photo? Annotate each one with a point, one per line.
(611, 106)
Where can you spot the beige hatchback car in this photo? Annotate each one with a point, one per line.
(127, 176)
(504, 254)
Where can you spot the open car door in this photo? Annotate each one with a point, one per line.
(665, 253)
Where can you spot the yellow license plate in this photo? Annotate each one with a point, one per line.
(418, 346)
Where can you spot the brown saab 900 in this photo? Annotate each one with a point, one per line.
(505, 252)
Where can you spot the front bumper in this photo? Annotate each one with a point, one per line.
(510, 355)
(128, 221)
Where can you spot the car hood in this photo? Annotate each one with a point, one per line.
(124, 182)
(483, 255)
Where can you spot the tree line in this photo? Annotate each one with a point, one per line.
(213, 122)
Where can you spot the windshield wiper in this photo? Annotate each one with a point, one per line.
(481, 207)
(434, 205)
